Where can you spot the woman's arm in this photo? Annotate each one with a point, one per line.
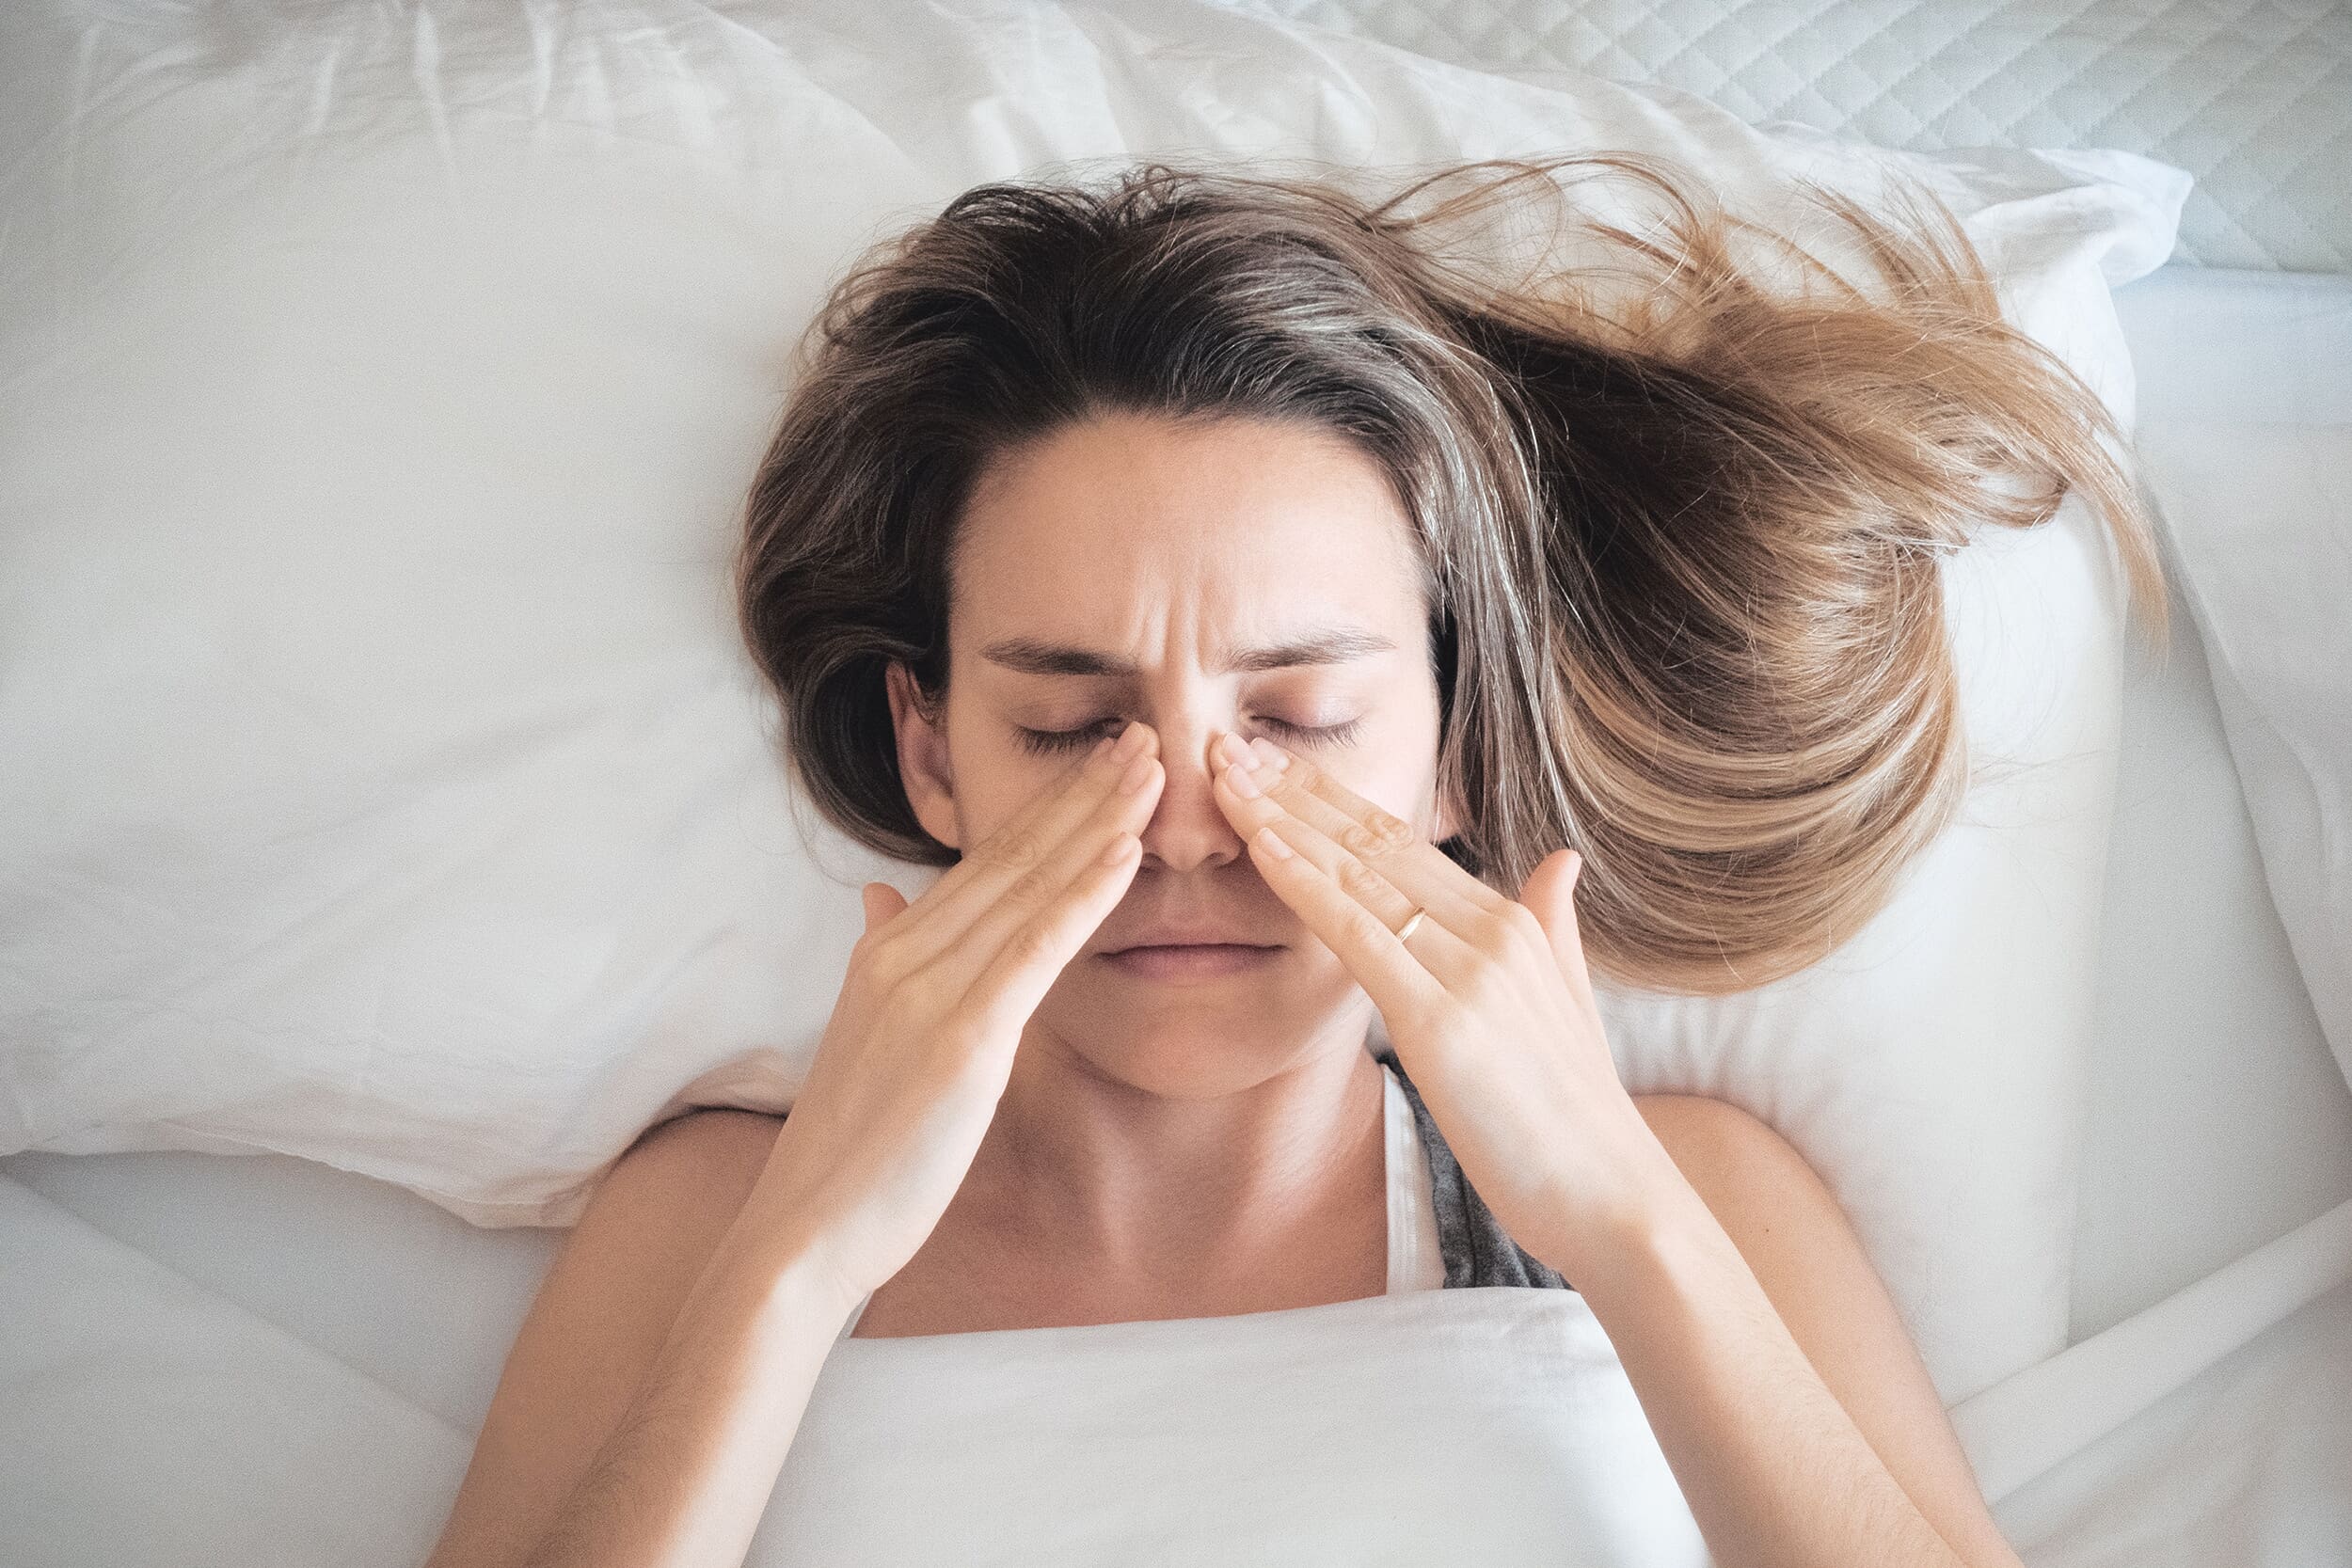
(648, 1402)
(1491, 1009)
(587, 1460)
(1772, 1366)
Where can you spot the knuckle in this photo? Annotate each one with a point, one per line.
(917, 996)
(884, 961)
(1356, 877)
(1031, 887)
(1360, 841)
(1034, 943)
(1015, 849)
(1494, 933)
(1389, 831)
(1521, 919)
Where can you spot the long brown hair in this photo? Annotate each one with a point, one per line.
(1679, 501)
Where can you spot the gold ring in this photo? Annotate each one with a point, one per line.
(1411, 922)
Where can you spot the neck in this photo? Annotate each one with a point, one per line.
(1079, 1165)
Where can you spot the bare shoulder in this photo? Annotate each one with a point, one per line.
(601, 1315)
(671, 1195)
(1803, 1250)
(1776, 1208)
(714, 1143)
(1730, 1153)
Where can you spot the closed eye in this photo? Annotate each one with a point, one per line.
(1085, 734)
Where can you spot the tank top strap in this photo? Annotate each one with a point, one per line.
(1477, 1250)
(1416, 1261)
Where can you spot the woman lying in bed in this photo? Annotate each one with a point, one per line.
(1268, 618)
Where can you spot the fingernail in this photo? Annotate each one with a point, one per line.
(1271, 842)
(1138, 773)
(1230, 748)
(1269, 754)
(1131, 739)
(1238, 780)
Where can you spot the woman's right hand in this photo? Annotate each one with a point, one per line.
(916, 1057)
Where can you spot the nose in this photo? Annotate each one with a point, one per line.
(1188, 828)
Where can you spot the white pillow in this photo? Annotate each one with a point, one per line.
(386, 784)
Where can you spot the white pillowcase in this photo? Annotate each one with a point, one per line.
(386, 786)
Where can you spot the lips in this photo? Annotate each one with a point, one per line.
(1190, 964)
(1188, 936)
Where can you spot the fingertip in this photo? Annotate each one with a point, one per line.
(1270, 755)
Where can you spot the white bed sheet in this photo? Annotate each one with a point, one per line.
(213, 1359)
(2249, 1465)
(2218, 1117)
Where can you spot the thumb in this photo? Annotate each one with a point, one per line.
(1551, 893)
(882, 903)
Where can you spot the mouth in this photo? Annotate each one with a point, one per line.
(1189, 960)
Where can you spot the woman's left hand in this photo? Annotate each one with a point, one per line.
(1488, 1004)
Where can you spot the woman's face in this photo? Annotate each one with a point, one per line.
(1241, 576)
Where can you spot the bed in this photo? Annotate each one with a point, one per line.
(261, 1358)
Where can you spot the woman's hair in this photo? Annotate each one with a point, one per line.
(1680, 509)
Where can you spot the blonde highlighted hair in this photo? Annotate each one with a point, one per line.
(1679, 501)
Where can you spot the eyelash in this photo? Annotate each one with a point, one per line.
(1070, 741)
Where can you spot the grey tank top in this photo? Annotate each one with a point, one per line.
(1477, 1250)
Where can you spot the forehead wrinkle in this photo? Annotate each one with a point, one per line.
(1323, 645)
(1121, 548)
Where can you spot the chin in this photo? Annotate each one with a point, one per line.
(1194, 1037)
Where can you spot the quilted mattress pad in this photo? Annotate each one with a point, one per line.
(2252, 97)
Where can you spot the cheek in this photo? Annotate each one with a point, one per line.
(992, 783)
(1387, 781)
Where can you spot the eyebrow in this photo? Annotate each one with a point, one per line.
(1332, 645)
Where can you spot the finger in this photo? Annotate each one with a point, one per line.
(1441, 950)
(1253, 800)
(883, 904)
(1062, 876)
(1072, 803)
(1007, 987)
(1574, 966)
(1395, 980)
(1384, 844)
(1550, 893)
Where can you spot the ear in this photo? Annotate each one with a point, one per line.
(923, 768)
